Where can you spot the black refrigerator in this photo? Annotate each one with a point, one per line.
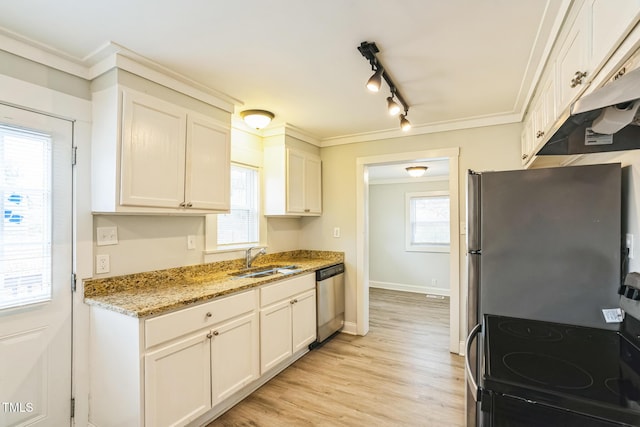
(542, 244)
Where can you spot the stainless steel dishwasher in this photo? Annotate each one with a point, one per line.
(329, 302)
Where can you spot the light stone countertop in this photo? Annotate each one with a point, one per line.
(158, 292)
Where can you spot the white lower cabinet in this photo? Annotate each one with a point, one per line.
(287, 319)
(192, 364)
(177, 381)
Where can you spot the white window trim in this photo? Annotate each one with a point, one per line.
(211, 224)
(409, 247)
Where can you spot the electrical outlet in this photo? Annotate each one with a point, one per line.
(191, 242)
(336, 231)
(102, 264)
(106, 236)
(629, 244)
(434, 282)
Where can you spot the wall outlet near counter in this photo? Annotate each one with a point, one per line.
(191, 242)
(629, 245)
(102, 264)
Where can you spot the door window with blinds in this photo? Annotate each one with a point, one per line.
(240, 225)
(25, 230)
(427, 221)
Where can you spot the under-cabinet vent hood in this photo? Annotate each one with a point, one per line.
(606, 120)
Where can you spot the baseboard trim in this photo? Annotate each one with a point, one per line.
(427, 290)
(350, 328)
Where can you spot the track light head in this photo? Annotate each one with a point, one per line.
(375, 80)
(405, 124)
(392, 106)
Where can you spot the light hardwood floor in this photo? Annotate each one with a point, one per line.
(400, 374)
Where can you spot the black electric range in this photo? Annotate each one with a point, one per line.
(549, 374)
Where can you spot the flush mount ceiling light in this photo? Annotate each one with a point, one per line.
(257, 119)
(416, 171)
(369, 50)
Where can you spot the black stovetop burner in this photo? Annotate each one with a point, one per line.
(592, 371)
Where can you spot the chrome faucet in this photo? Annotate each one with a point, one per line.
(249, 259)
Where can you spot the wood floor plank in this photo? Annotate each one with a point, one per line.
(400, 374)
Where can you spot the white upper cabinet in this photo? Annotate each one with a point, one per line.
(611, 20)
(166, 158)
(572, 64)
(293, 180)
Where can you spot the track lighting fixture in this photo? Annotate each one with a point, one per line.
(392, 106)
(405, 124)
(375, 81)
(369, 50)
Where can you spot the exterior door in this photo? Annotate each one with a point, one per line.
(35, 269)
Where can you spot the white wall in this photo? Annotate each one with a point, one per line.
(391, 266)
(630, 161)
(487, 148)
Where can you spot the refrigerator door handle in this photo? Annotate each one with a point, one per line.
(467, 363)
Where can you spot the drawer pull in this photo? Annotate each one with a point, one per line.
(209, 336)
(208, 314)
(216, 333)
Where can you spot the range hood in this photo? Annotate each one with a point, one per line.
(606, 120)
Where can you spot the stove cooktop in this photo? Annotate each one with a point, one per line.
(592, 371)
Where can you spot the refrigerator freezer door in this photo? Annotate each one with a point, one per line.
(473, 211)
(550, 243)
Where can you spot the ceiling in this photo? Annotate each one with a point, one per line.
(458, 63)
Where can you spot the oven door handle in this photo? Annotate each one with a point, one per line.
(467, 363)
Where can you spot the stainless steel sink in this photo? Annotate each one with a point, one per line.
(264, 271)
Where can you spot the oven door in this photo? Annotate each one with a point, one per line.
(509, 411)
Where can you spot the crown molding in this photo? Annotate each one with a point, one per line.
(290, 130)
(424, 129)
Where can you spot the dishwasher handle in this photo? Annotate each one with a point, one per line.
(467, 363)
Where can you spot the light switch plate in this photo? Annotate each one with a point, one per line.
(106, 236)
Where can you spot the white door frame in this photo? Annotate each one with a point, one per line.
(362, 235)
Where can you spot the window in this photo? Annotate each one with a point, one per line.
(427, 224)
(240, 226)
(25, 229)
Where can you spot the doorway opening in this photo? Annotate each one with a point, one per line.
(363, 164)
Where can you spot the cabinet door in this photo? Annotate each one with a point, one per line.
(275, 334)
(235, 357)
(573, 59)
(207, 164)
(177, 382)
(295, 181)
(313, 185)
(304, 320)
(611, 21)
(527, 140)
(153, 152)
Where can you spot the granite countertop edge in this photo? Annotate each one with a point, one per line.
(158, 292)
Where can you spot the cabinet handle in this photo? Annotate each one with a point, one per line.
(540, 134)
(524, 156)
(209, 335)
(183, 204)
(216, 333)
(620, 73)
(295, 301)
(208, 314)
(577, 78)
(307, 210)
(189, 205)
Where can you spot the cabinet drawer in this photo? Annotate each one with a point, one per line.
(172, 325)
(287, 288)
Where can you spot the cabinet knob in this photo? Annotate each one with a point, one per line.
(292, 302)
(216, 333)
(183, 204)
(307, 210)
(577, 78)
(524, 156)
(189, 205)
(209, 336)
(208, 314)
(539, 134)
